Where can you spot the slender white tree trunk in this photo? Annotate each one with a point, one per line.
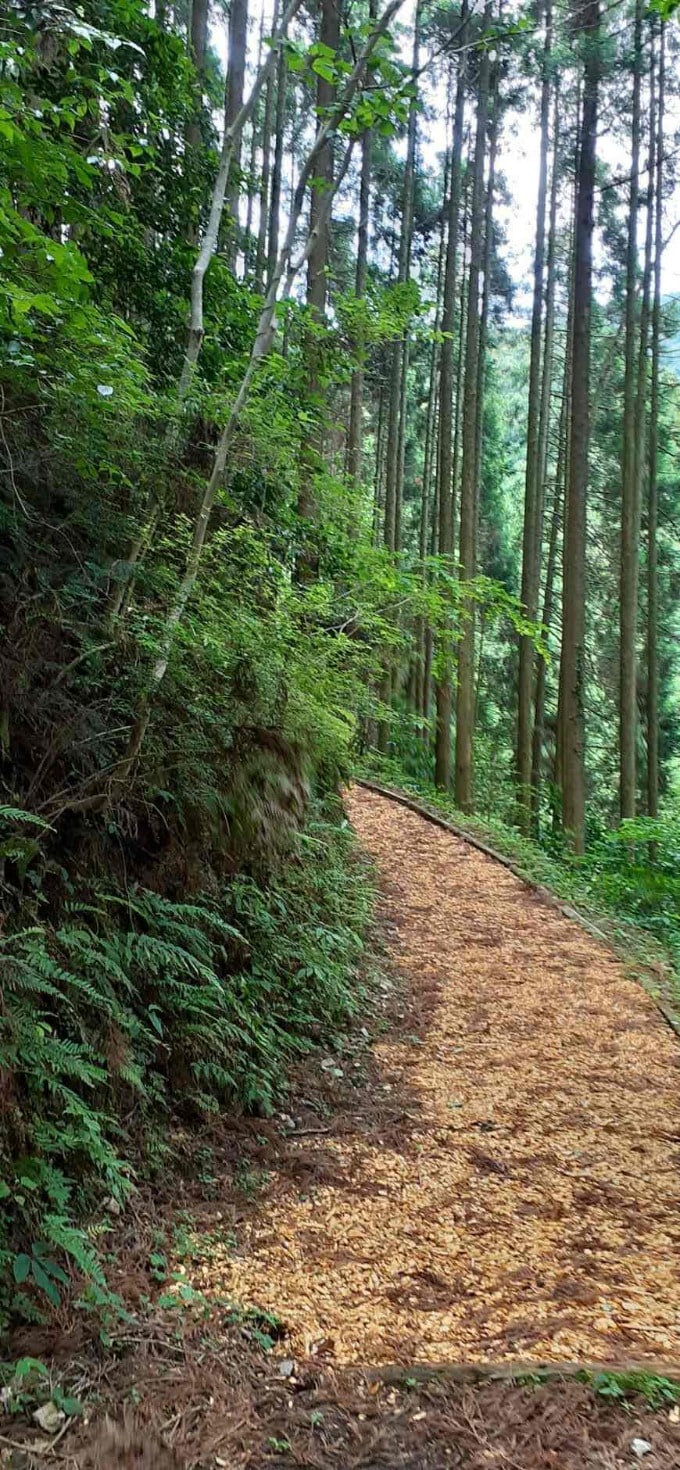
(212, 230)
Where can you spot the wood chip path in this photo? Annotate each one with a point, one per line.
(520, 1196)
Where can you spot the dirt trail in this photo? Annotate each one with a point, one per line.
(517, 1193)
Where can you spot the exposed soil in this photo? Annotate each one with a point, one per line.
(494, 1179)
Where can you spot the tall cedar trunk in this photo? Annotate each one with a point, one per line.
(587, 21)
(317, 270)
(549, 334)
(398, 368)
(445, 489)
(277, 169)
(653, 488)
(254, 143)
(238, 40)
(538, 733)
(391, 528)
(465, 693)
(568, 379)
(486, 297)
(643, 342)
(355, 434)
(198, 46)
(460, 364)
(531, 561)
(329, 35)
(379, 460)
(538, 729)
(264, 222)
(423, 632)
(628, 593)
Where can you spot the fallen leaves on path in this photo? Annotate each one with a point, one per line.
(511, 1189)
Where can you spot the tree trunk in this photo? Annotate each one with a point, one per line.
(568, 379)
(653, 453)
(628, 593)
(423, 633)
(484, 315)
(212, 230)
(392, 490)
(573, 633)
(643, 344)
(379, 464)
(238, 40)
(460, 364)
(395, 401)
(538, 733)
(317, 284)
(549, 336)
(252, 167)
(465, 693)
(538, 730)
(531, 563)
(277, 170)
(355, 435)
(445, 488)
(197, 46)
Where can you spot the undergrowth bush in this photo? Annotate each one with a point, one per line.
(135, 1006)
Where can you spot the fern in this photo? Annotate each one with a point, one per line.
(15, 814)
(132, 990)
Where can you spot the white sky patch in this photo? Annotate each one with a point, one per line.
(517, 163)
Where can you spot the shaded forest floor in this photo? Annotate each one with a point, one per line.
(493, 1180)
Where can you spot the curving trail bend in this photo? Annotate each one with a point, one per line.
(511, 1187)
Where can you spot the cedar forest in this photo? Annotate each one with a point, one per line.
(298, 482)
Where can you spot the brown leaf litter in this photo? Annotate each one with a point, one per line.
(493, 1180)
(524, 1199)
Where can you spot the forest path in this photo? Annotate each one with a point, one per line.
(510, 1187)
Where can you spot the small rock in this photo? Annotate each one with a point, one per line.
(674, 1414)
(640, 1447)
(286, 1368)
(49, 1418)
(113, 1206)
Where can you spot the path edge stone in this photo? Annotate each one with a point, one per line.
(505, 1371)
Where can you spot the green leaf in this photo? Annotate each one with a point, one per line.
(45, 1283)
(21, 1268)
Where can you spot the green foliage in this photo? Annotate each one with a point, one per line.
(657, 1392)
(136, 1006)
(635, 871)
